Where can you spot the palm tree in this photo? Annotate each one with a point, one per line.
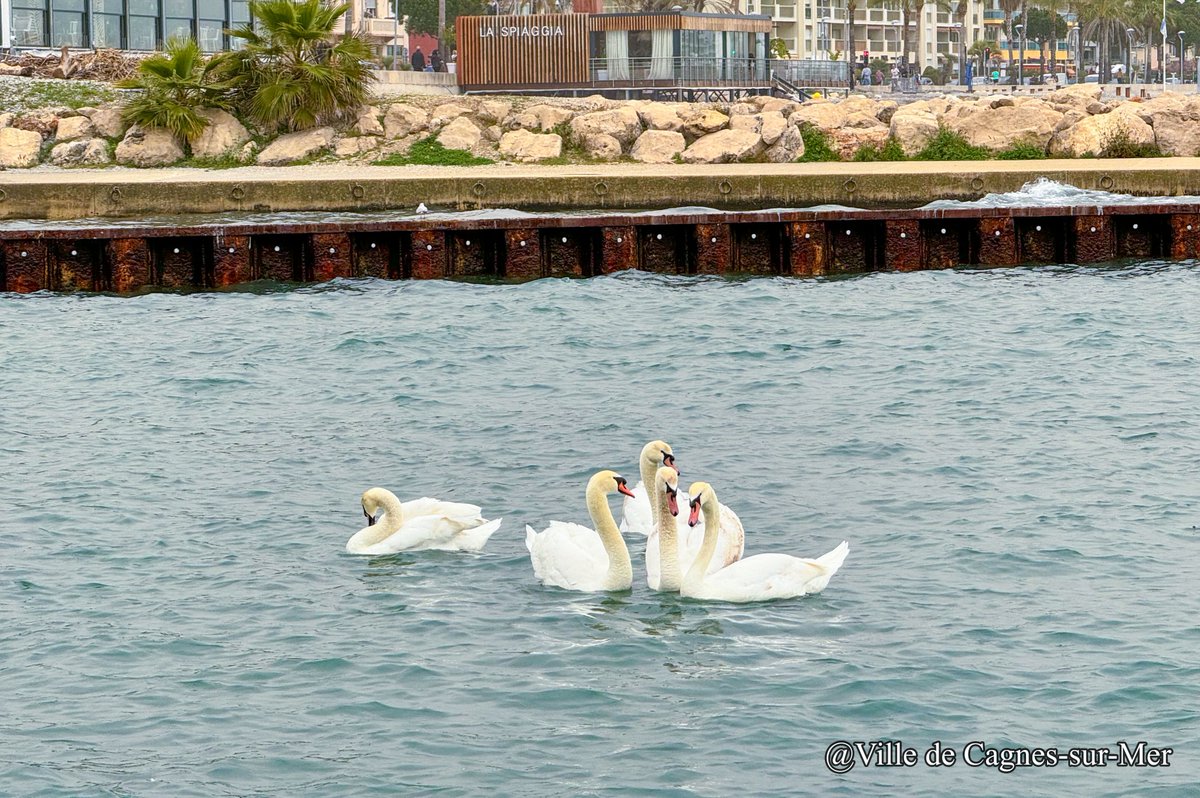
(851, 10)
(1009, 7)
(288, 75)
(174, 84)
(1106, 21)
(906, 9)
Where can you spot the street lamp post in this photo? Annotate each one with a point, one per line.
(1021, 57)
(1078, 52)
(1182, 70)
(1163, 64)
(1129, 54)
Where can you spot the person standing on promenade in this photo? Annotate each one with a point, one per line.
(435, 60)
(418, 60)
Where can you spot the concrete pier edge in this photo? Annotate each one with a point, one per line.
(131, 193)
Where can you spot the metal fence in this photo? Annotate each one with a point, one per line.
(812, 73)
(697, 71)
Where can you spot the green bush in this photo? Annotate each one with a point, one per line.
(1022, 151)
(890, 151)
(428, 152)
(1119, 145)
(174, 84)
(816, 146)
(950, 146)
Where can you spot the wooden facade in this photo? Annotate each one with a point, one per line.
(552, 52)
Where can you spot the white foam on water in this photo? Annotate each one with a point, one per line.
(1046, 193)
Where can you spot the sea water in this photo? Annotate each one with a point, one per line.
(1011, 454)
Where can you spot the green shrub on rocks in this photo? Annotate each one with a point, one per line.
(816, 145)
(890, 151)
(1022, 151)
(950, 146)
(1120, 145)
(429, 152)
(174, 84)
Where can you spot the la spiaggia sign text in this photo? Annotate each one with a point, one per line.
(521, 31)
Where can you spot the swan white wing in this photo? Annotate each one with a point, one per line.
(567, 555)
(422, 532)
(731, 541)
(637, 517)
(469, 514)
(765, 577)
(653, 561)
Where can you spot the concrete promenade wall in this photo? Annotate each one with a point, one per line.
(132, 193)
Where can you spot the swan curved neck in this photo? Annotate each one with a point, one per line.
(620, 567)
(393, 519)
(712, 528)
(668, 543)
(649, 471)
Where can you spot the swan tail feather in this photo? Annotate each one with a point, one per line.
(475, 539)
(829, 563)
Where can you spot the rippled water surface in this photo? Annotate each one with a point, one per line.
(1011, 454)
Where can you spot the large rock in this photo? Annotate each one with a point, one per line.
(351, 146)
(602, 147)
(147, 148)
(788, 147)
(702, 122)
(1090, 136)
(81, 152)
(521, 145)
(724, 146)
(460, 134)
(296, 146)
(1000, 128)
(821, 114)
(108, 122)
(444, 113)
(43, 122)
(367, 122)
(19, 148)
(403, 120)
(660, 116)
(846, 141)
(74, 127)
(221, 136)
(622, 123)
(1176, 133)
(769, 104)
(549, 116)
(913, 128)
(494, 110)
(768, 125)
(658, 146)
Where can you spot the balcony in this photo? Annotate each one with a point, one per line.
(379, 28)
(993, 16)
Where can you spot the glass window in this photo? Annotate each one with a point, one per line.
(211, 35)
(29, 27)
(178, 8)
(106, 31)
(147, 8)
(108, 6)
(68, 5)
(211, 9)
(239, 11)
(179, 29)
(143, 33)
(66, 27)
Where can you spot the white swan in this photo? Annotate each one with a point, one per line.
(419, 524)
(577, 558)
(763, 577)
(674, 545)
(637, 513)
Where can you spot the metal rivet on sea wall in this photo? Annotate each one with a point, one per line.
(468, 242)
(753, 236)
(232, 250)
(850, 185)
(24, 254)
(601, 188)
(620, 239)
(565, 239)
(372, 245)
(115, 194)
(1093, 229)
(847, 232)
(1135, 226)
(76, 252)
(276, 247)
(808, 235)
(429, 247)
(724, 187)
(238, 192)
(1039, 228)
(332, 250)
(904, 235)
(713, 239)
(1189, 227)
(943, 231)
(997, 233)
(479, 189)
(977, 183)
(357, 191)
(522, 243)
(659, 236)
(1106, 182)
(176, 251)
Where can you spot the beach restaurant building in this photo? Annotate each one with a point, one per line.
(686, 54)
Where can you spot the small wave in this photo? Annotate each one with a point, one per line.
(1046, 193)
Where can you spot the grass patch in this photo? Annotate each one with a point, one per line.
(428, 152)
(816, 146)
(230, 160)
(1119, 145)
(950, 146)
(1022, 151)
(890, 151)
